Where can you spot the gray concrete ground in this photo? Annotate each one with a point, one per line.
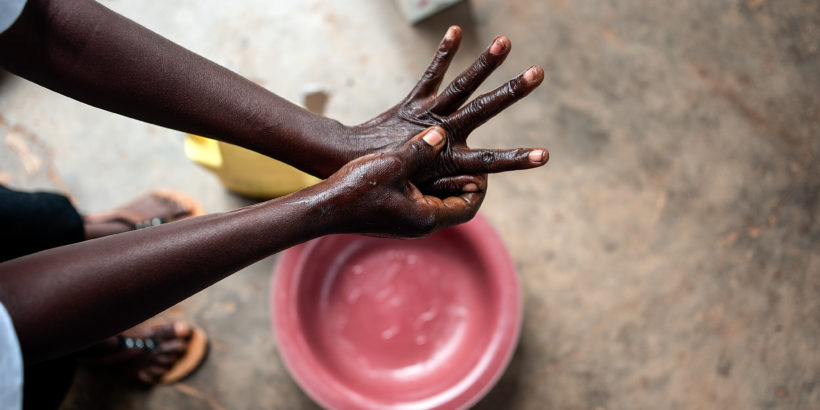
(668, 252)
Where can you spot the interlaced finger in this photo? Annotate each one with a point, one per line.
(453, 210)
(455, 185)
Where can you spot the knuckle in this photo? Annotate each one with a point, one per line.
(417, 147)
(515, 88)
(432, 71)
(429, 74)
(487, 158)
(392, 163)
(482, 64)
(418, 150)
(458, 86)
(481, 103)
(509, 90)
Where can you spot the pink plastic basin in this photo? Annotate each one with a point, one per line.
(370, 323)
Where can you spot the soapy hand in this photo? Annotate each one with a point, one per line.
(424, 107)
(376, 196)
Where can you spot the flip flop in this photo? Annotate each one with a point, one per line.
(191, 360)
(112, 355)
(185, 365)
(190, 206)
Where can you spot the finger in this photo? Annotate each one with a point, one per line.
(470, 79)
(486, 106)
(455, 209)
(420, 150)
(493, 160)
(431, 79)
(455, 185)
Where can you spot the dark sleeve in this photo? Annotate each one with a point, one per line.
(32, 222)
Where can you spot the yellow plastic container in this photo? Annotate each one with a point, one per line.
(249, 173)
(246, 172)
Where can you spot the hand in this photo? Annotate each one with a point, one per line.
(423, 107)
(375, 196)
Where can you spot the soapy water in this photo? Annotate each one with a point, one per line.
(402, 312)
(354, 295)
(389, 333)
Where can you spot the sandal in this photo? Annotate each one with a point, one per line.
(137, 214)
(190, 361)
(139, 357)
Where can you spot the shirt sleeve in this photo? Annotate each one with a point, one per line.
(9, 11)
(11, 364)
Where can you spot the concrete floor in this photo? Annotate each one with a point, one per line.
(668, 252)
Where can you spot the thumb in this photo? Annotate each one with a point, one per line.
(421, 149)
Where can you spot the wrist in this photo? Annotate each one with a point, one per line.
(320, 209)
(311, 142)
(341, 145)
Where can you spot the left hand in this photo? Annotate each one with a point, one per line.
(423, 107)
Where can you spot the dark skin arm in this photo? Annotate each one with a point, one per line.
(84, 50)
(81, 49)
(84, 292)
(63, 299)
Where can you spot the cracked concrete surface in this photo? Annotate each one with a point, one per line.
(668, 252)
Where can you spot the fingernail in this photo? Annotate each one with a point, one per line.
(538, 156)
(433, 136)
(182, 328)
(529, 76)
(470, 187)
(451, 33)
(498, 46)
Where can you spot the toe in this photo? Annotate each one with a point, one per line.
(171, 331)
(177, 346)
(165, 331)
(183, 330)
(167, 359)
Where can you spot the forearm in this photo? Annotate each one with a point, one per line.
(85, 51)
(82, 293)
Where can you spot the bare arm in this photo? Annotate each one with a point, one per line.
(82, 293)
(84, 50)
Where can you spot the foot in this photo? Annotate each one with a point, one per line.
(148, 354)
(152, 209)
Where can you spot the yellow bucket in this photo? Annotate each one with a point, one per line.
(247, 172)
